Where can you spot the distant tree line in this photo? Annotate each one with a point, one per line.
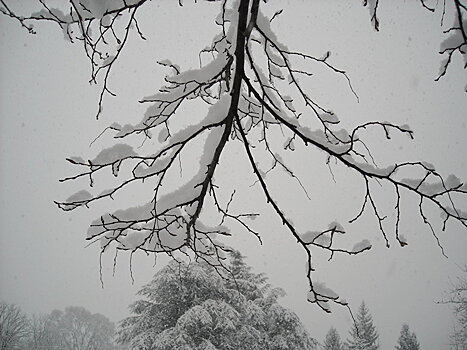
(193, 306)
(364, 336)
(75, 328)
(457, 299)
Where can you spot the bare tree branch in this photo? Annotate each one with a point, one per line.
(252, 87)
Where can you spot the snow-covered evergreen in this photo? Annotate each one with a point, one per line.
(332, 340)
(363, 335)
(193, 306)
(407, 340)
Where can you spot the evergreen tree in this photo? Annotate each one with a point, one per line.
(407, 340)
(363, 335)
(332, 340)
(193, 307)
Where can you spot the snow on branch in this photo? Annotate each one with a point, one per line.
(254, 97)
(456, 40)
(97, 25)
(373, 8)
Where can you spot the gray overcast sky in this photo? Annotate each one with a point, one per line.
(47, 114)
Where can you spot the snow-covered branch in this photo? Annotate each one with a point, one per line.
(254, 96)
(97, 25)
(456, 34)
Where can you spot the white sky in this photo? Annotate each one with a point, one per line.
(47, 114)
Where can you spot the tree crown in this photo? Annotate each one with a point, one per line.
(195, 306)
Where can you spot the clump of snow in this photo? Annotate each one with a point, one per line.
(216, 113)
(442, 66)
(144, 170)
(76, 200)
(322, 295)
(265, 25)
(329, 118)
(321, 289)
(288, 101)
(432, 189)
(276, 58)
(95, 229)
(168, 63)
(203, 74)
(247, 124)
(324, 305)
(371, 169)
(230, 14)
(309, 236)
(337, 227)
(109, 60)
(318, 136)
(112, 154)
(413, 183)
(52, 13)
(454, 212)
(402, 240)
(192, 188)
(452, 181)
(132, 239)
(106, 192)
(133, 213)
(322, 238)
(311, 297)
(79, 196)
(429, 166)
(123, 130)
(171, 237)
(276, 71)
(361, 246)
(453, 40)
(406, 127)
(163, 135)
(342, 135)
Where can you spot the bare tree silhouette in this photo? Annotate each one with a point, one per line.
(251, 86)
